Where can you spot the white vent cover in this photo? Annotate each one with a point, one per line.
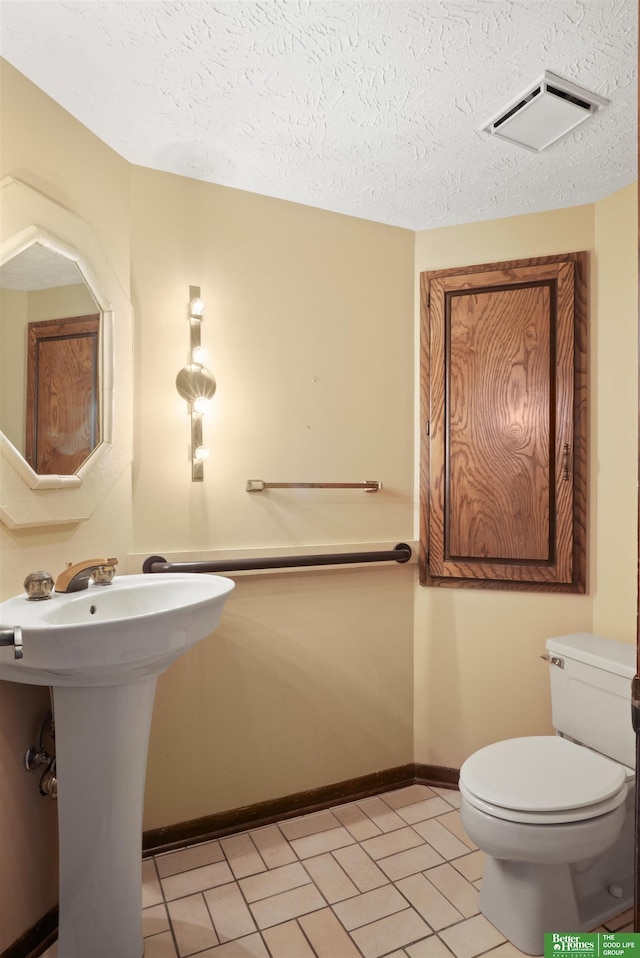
(549, 107)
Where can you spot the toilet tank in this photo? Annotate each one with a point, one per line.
(591, 693)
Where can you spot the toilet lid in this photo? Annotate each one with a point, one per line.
(541, 774)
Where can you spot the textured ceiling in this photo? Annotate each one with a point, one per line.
(367, 108)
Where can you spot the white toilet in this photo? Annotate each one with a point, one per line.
(555, 814)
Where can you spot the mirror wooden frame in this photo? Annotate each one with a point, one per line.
(26, 498)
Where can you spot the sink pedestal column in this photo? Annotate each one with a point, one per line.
(102, 736)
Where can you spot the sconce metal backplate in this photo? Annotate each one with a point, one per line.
(194, 382)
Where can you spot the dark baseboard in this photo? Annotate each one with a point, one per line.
(438, 775)
(277, 809)
(38, 938)
(300, 803)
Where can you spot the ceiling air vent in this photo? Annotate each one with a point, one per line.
(549, 107)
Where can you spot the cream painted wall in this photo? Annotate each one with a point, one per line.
(45, 147)
(477, 674)
(308, 681)
(310, 337)
(309, 325)
(614, 419)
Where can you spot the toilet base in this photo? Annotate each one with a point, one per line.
(526, 900)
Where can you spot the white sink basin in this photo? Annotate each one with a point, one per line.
(118, 633)
(101, 650)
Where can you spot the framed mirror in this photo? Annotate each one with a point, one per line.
(65, 364)
(50, 359)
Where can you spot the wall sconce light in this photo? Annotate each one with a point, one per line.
(196, 384)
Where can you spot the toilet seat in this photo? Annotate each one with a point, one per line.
(542, 780)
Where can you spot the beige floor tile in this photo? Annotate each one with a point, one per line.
(440, 838)
(471, 937)
(151, 890)
(229, 912)
(357, 823)
(432, 947)
(392, 843)
(329, 878)
(400, 953)
(52, 951)
(436, 910)
(250, 947)
(186, 858)
(407, 796)
(325, 841)
(289, 904)
(626, 928)
(508, 950)
(424, 810)
(288, 941)
(242, 855)
(160, 946)
(616, 924)
(450, 795)
(396, 931)
(154, 920)
(379, 812)
(273, 846)
(471, 865)
(364, 873)
(198, 879)
(309, 824)
(369, 907)
(455, 888)
(327, 935)
(191, 925)
(453, 822)
(274, 881)
(409, 862)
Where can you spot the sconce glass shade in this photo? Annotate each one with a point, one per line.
(195, 382)
(197, 307)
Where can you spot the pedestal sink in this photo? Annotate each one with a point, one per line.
(101, 650)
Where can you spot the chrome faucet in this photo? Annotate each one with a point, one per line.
(76, 576)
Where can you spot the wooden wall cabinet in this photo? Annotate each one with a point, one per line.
(504, 422)
(63, 414)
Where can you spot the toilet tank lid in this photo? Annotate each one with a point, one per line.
(607, 654)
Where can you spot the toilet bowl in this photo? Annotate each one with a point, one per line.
(553, 815)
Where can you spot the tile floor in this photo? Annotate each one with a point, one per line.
(394, 875)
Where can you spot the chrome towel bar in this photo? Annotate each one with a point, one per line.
(259, 485)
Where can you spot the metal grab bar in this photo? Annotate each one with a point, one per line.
(258, 485)
(156, 564)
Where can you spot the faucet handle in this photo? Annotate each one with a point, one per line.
(103, 574)
(38, 585)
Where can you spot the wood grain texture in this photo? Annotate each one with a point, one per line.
(503, 399)
(62, 394)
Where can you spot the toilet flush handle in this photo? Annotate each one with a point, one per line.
(553, 660)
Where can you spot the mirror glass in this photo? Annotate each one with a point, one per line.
(50, 360)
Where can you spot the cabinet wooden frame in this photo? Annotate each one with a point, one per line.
(554, 559)
(63, 401)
